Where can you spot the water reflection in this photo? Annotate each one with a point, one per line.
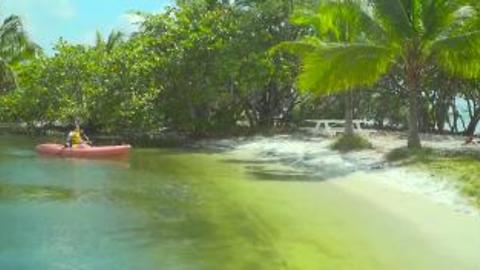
(31, 192)
(121, 161)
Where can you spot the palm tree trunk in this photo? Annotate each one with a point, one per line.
(413, 136)
(413, 81)
(472, 126)
(348, 114)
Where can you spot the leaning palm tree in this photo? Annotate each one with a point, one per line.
(15, 47)
(411, 34)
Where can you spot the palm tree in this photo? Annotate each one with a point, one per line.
(15, 47)
(113, 40)
(334, 23)
(411, 34)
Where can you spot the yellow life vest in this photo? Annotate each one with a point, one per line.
(76, 137)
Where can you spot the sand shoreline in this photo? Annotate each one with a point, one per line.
(302, 156)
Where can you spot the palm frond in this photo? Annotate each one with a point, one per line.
(114, 38)
(99, 41)
(437, 15)
(459, 55)
(349, 21)
(12, 25)
(15, 44)
(12, 36)
(30, 51)
(307, 18)
(301, 47)
(342, 21)
(338, 67)
(465, 19)
(395, 17)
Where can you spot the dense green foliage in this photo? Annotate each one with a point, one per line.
(200, 67)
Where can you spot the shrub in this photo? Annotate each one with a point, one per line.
(351, 143)
(411, 155)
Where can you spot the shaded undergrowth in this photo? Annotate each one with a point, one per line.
(351, 143)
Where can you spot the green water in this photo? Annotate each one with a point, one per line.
(166, 209)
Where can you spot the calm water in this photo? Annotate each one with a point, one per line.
(165, 209)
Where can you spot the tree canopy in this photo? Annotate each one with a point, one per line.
(355, 43)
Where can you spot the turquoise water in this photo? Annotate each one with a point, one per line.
(174, 209)
(462, 107)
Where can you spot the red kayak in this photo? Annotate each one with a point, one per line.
(83, 151)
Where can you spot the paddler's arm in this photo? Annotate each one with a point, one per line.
(86, 139)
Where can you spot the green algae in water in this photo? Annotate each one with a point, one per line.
(181, 210)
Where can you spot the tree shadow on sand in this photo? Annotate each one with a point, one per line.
(277, 170)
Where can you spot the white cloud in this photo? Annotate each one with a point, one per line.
(132, 18)
(129, 22)
(126, 23)
(47, 20)
(63, 9)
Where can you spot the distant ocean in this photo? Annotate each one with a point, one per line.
(462, 107)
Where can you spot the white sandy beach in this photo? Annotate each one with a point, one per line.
(298, 155)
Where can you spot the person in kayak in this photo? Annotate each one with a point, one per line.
(77, 137)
